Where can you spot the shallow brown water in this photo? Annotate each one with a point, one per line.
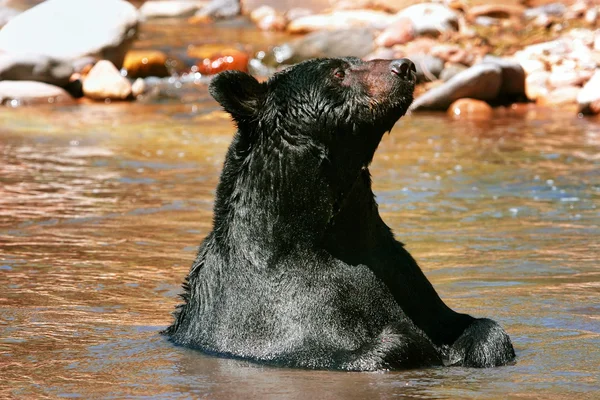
(102, 208)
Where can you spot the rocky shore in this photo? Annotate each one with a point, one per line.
(470, 56)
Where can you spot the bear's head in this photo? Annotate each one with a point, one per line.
(342, 105)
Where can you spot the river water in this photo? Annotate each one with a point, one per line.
(102, 208)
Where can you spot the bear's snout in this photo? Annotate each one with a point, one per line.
(404, 68)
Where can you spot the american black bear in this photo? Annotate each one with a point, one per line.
(299, 269)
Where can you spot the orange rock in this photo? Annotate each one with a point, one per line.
(222, 61)
(470, 109)
(210, 49)
(144, 63)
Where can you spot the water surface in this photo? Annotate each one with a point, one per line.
(102, 208)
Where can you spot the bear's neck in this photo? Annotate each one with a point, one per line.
(273, 198)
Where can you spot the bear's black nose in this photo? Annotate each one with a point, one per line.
(402, 68)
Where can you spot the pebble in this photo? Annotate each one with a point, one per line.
(219, 9)
(267, 19)
(531, 66)
(560, 96)
(554, 9)
(144, 63)
(431, 18)
(228, 59)
(65, 30)
(138, 87)
(453, 54)
(588, 99)
(565, 76)
(17, 93)
(536, 85)
(104, 81)
(170, 9)
(470, 109)
(399, 32)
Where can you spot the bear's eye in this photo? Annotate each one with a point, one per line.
(340, 74)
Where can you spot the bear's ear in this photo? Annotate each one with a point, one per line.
(239, 93)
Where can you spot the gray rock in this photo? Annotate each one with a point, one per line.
(555, 9)
(481, 82)
(451, 70)
(588, 98)
(70, 29)
(220, 9)
(337, 43)
(16, 93)
(513, 75)
(430, 18)
(34, 67)
(6, 14)
(170, 9)
(428, 67)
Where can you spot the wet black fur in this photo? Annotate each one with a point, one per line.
(300, 270)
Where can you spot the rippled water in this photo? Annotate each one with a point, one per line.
(102, 208)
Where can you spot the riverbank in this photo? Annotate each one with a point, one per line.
(471, 59)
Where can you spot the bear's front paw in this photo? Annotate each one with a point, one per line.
(483, 344)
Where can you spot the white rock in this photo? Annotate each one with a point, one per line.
(6, 14)
(429, 18)
(341, 20)
(104, 81)
(71, 29)
(170, 9)
(16, 93)
(536, 85)
(588, 98)
(34, 67)
(138, 87)
(531, 66)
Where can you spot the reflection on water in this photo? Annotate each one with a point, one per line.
(102, 208)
